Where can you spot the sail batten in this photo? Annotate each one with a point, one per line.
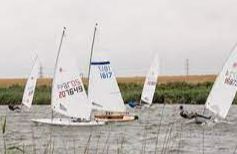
(100, 63)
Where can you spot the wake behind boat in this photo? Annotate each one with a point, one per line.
(68, 95)
(209, 122)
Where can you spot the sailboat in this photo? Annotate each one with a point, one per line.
(29, 89)
(150, 84)
(224, 89)
(103, 90)
(68, 97)
(30, 85)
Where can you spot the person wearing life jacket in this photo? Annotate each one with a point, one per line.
(186, 114)
(13, 107)
(191, 115)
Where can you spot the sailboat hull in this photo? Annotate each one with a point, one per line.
(67, 122)
(115, 117)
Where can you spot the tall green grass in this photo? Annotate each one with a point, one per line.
(170, 93)
(13, 95)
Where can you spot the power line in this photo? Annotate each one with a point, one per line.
(41, 71)
(187, 67)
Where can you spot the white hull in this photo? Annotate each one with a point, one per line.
(67, 122)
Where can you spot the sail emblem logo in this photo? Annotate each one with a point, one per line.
(69, 88)
(30, 92)
(151, 81)
(231, 75)
(32, 78)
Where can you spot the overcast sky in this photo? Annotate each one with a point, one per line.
(131, 31)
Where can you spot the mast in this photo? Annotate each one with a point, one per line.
(92, 47)
(59, 49)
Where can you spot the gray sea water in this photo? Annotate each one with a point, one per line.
(146, 135)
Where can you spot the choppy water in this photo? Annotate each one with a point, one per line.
(174, 135)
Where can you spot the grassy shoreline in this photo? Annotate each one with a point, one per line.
(171, 89)
(194, 79)
(170, 93)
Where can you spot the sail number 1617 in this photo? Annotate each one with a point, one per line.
(105, 71)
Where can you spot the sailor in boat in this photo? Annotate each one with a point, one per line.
(78, 119)
(14, 107)
(133, 104)
(137, 104)
(191, 115)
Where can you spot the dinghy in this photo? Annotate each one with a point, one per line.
(68, 97)
(222, 94)
(103, 90)
(149, 84)
(30, 85)
(224, 89)
(29, 89)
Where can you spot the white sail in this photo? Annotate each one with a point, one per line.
(68, 93)
(103, 90)
(31, 84)
(224, 88)
(150, 82)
